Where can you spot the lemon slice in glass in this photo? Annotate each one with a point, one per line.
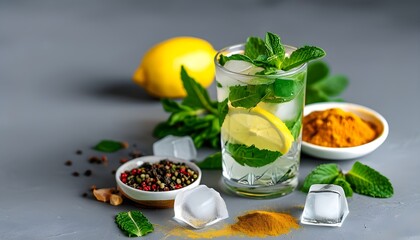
(257, 127)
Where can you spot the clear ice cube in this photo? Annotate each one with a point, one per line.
(326, 205)
(199, 207)
(238, 66)
(173, 146)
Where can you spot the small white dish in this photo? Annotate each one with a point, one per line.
(153, 199)
(346, 153)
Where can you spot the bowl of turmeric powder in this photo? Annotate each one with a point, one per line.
(341, 131)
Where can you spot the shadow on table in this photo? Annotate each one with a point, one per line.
(122, 90)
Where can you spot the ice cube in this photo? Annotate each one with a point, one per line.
(326, 205)
(238, 66)
(174, 146)
(199, 207)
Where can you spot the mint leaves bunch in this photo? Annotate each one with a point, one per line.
(270, 54)
(321, 86)
(196, 116)
(361, 179)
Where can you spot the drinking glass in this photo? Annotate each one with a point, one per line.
(261, 122)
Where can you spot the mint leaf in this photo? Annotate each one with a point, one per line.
(323, 174)
(197, 96)
(240, 57)
(287, 88)
(211, 162)
(247, 96)
(320, 86)
(109, 146)
(341, 181)
(133, 223)
(295, 125)
(251, 156)
(255, 47)
(367, 181)
(274, 46)
(317, 70)
(223, 110)
(301, 56)
(332, 85)
(172, 106)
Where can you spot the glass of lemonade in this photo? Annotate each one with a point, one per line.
(261, 121)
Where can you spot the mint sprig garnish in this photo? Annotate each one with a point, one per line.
(361, 179)
(270, 54)
(133, 223)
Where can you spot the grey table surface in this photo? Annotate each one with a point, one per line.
(65, 83)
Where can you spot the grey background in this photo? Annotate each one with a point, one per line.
(65, 84)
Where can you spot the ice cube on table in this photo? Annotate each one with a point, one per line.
(199, 207)
(326, 205)
(174, 146)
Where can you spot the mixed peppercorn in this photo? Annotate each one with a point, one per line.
(162, 176)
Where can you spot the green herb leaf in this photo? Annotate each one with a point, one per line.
(341, 181)
(251, 156)
(323, 174)
(301, 56)
(172, 106)
(223, 110)
(240, 57)
(273, 44)
(108, 146)
(295, 125)
(320, 86)
(197, 96)
(332, 85)
(317, 70)
(247, 96)
(367, 181)
(133, 223)
(255, 47)
(211, 162)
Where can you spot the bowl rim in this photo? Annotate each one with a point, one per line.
(367, 147)
(153, 159)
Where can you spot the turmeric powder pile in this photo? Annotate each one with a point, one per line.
(252, 224)
(337, 128)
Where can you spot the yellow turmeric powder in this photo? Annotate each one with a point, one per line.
(252, 224)
(337, 128)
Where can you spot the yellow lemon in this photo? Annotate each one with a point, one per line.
(257, 127)
(159, 71)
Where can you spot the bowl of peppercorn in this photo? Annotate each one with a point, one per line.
(154, 182)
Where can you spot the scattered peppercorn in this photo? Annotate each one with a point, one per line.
(84, 195)
(162, 176)
(95, 159)
(76, 174)
(135, 154)
(113, 172)
(79, 152)
(88, 173)
(123, 160)
(68, 163)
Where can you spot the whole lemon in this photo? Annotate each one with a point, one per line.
(159, 72)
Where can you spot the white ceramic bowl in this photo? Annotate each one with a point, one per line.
(366, 114)
(153, 199)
